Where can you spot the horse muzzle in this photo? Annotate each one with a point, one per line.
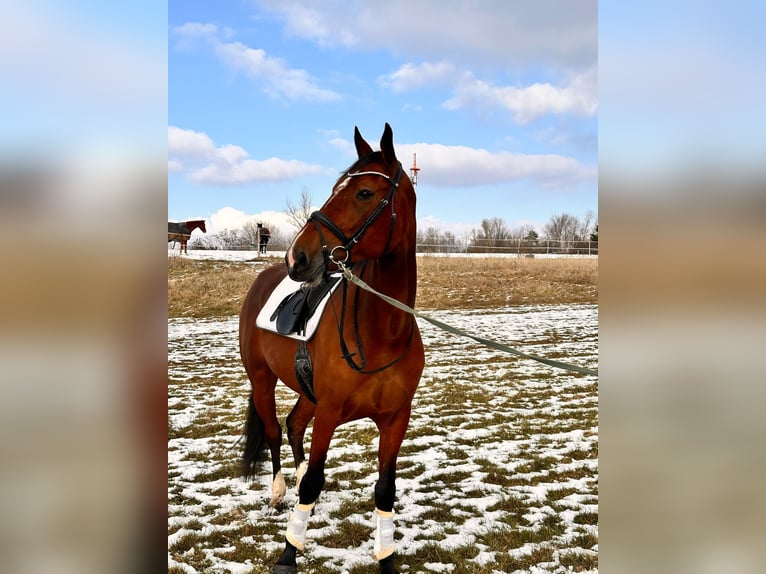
(304, 268)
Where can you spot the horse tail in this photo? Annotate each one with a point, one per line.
(254, 441)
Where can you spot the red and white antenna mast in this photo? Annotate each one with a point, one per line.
(414, 170)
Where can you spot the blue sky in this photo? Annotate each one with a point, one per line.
(498, 100)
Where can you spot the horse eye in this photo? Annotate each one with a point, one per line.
(364, 194)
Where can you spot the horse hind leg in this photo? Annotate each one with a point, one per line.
(261, 429)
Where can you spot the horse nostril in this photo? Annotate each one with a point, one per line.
(297, 260)
(301, 260)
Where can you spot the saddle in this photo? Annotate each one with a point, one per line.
(291, 317)
(296, 309)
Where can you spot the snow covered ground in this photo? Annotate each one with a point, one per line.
(498, 472)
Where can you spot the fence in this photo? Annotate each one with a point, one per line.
(518, 247)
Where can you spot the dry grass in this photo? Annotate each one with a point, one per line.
(460, 283)
(217, 288)
(208, 288)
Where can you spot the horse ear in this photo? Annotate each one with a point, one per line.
(387, 145)
(362, 147)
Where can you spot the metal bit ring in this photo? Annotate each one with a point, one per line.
(333, 259)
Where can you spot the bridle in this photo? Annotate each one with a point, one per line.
(318, 218)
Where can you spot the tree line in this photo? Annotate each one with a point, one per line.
(563, 232)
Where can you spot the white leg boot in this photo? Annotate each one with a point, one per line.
(384, 535)
(298, 525)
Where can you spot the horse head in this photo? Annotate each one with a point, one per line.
(369, 215)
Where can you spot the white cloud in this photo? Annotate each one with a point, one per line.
(189, 143)
(343, 145)
(231, 218)
(197, 155)
(304, 20)
(414, 76)
(461, 166)
(276, 77)
(248, 171)
(334, 140)
(511, 33)
(192, 30)
(579, 96)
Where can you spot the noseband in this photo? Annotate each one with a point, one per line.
(347, 243)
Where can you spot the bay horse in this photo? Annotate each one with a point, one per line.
(263, 240)
(367, 356)
(182, 231)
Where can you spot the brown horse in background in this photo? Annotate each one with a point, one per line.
(367, 355)
(182, 231)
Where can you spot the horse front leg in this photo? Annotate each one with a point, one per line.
(297, 421)
(308, 491)
(391, 436)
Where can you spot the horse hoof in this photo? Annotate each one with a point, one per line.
(387, 566)
(278, 490)
(284, 569)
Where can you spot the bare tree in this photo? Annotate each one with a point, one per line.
(298, 214)
(450, 240)
(587, 223)
(226, 239)
(493, 233)
(562, 227)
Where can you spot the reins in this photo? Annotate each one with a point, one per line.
(349, 276)
(346, 353)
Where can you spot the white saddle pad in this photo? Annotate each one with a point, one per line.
(285, 288)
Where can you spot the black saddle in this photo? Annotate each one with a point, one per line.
(294, 311)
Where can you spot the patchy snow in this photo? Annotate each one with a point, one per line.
(515, 456)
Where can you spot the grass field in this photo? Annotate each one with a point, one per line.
(498, 472)
(204, 288)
